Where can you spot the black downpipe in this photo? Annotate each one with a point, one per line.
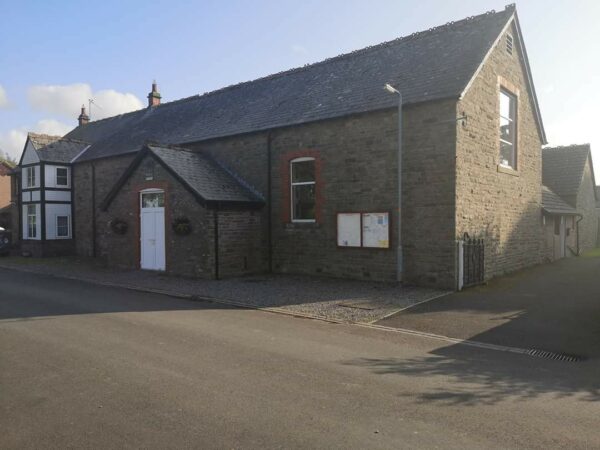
(93, 210)
(216, 231)
(269, 205)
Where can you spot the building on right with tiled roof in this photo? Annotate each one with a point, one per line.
(569, 172)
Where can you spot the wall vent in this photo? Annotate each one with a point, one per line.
(509, 44)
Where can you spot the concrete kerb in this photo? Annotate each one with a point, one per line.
(275, 310)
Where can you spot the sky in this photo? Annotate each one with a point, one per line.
(55, 55)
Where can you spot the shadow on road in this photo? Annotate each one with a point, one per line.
(49, 297)
(476, 379)
(554, 307)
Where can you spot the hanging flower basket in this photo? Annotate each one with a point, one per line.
(119, 226)
(182, 226)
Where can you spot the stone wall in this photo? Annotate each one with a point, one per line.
(106, 173)
(356, 157)
(356, 160)
(240, 249)
(503, 207)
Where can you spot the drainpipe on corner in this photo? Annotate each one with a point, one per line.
(399, 268)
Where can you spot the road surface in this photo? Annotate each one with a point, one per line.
(86, 366)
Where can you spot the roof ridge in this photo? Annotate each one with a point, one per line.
(43, 135)
(308, 66)
(359, 51)
(569, 146)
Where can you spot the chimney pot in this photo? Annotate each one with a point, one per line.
(83, 117)
(154, 96)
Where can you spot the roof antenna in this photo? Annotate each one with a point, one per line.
(90, 103)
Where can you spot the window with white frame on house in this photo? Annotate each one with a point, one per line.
(63, 226)
(62, 176)
(30, 174)
(508, 129)
(31, 222)
(303, 189)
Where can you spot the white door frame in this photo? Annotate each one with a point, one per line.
(152, 250)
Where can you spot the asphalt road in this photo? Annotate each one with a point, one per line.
(553, 307)
(83, 366)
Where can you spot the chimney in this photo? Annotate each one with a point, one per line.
(83, 117)
(154, 96)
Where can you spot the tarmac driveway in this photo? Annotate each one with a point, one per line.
(553, 307)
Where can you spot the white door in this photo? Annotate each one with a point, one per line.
(152, 229)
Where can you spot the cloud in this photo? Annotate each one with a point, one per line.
(12, 141)
(3, 98)
(66, 100)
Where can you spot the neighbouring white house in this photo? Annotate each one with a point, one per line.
(46, 218)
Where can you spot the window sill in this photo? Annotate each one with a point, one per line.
(508, 170)
(301, 225)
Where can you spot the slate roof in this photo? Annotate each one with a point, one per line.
(209, 182)
(61, 151)
(562, 168)
(205, 176)
(553, 204)
(430, 65)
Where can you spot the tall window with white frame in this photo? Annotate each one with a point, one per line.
(62, 176)
(31, 181)
(31, 222)
(508, 129)
(63, 227)
(303, 189)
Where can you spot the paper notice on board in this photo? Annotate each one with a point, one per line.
(375, 230)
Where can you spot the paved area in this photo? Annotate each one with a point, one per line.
(326, 298)
(552, 307)
(86, 366)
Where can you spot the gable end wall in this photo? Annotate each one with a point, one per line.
(502, 208)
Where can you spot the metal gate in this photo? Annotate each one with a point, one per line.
(473, 261)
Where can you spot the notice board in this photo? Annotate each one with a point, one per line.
(348, 230)
(368, 230)
(376, 230)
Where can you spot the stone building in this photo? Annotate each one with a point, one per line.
(569, 172)
(303, 171)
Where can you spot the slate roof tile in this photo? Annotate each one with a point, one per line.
(202, 174)
(553, 204)
(430, 65)
(562, 168)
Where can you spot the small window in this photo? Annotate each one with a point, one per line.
(153, 199)
(63, 226)
(508, 141)
(30, 173)
(31, 222)
(509, 44)
(62, 176)
(149, 172)
(303, 185)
